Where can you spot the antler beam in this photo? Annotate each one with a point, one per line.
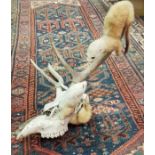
(80, 76)
(69, 69)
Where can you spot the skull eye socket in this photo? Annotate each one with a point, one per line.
(47, 113)
(92, 57)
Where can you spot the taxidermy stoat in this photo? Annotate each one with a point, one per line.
(116, 24)
(84, 113)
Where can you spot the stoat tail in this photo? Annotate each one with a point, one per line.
(127, 40)
(129, 20)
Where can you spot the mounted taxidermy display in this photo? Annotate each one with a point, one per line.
(71, 104)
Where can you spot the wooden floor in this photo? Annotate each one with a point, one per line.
(139, 7)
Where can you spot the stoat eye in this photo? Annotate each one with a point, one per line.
(92, 57)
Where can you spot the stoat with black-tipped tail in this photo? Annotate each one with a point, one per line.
(116, 25)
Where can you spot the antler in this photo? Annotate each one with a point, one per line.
(80, 76)
(71, 71)
(91, 67)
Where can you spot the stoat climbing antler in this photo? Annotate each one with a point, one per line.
(80, 76)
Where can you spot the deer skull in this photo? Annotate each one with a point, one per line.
(53, 122)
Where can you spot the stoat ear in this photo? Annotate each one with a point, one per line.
(103, 51)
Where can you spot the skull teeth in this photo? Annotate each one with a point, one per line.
(54, 135)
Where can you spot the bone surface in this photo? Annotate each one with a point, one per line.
(48, 127)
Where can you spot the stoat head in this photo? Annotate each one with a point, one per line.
(95, 49)
(84, 103)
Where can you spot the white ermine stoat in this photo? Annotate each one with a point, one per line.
(84, 113)
(116, 25)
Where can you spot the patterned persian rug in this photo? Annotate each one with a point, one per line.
(115, 88)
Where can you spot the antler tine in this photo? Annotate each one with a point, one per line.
(70, 70)
(57, 76)
(56, 84)
(44, 74)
